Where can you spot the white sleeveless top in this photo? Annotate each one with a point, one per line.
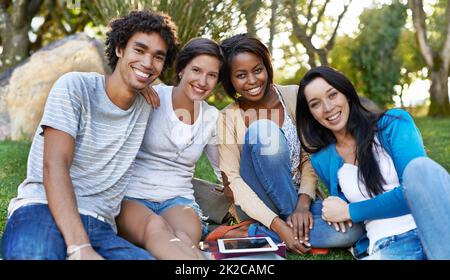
(348, 181)
(290, 132)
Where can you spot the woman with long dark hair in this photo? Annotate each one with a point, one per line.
(368, 160)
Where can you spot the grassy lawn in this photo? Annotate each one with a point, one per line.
(13, 158)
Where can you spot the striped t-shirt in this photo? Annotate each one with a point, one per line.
(107, 140)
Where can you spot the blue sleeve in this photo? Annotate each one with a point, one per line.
(387, 205)
(403, 142)
(315, 162)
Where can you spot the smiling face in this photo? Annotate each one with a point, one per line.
(327, 105)
(249, 76)
(142, 60)
(199, 77)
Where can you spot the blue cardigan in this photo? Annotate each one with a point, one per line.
(401, 139)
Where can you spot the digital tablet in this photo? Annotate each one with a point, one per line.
(246, 245)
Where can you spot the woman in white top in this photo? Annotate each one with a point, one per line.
(375, 167)
(160, 212)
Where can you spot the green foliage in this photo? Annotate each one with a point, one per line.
(340, 58)
(59, 20)
(411, 61)
(436, 23)
(373, 55)
(408, 52)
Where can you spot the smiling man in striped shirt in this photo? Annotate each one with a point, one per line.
(79, 162)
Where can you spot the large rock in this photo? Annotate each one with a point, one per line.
(24, 89)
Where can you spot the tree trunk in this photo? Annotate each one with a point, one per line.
(400, 95)
(273, 22)
(250, 10)
(15, 47)
(437, 60)
(14, 26)
(323, 57)
(439, 105)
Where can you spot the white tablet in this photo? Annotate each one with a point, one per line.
(246, 245)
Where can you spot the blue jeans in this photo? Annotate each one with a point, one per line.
(427, 190)
(31, 233)
(159, 207)
(405, 246)
(265, 167)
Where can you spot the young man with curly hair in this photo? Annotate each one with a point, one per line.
(79, 162)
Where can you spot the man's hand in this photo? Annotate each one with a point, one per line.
(151, 96)
(335, 210)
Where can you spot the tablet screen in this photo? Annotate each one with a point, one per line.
(254, 244)
(245, 243)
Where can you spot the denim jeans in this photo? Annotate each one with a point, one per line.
(160, 207)
(405, 246)
(265, 166)
(427, 190)
(31, 233)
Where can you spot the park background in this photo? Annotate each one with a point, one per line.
(397, 53)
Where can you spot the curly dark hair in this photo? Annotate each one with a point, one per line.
(122, 29)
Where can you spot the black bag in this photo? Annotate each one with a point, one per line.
(212, 201)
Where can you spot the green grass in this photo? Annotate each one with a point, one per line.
(13, 169)
(436, 138)
(13, 158)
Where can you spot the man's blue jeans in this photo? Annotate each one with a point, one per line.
(427, 190)
(265, 167)
(31, 233)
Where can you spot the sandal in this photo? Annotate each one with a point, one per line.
(319, 251)
(220, 231)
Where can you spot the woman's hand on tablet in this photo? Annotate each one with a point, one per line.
(287, 236)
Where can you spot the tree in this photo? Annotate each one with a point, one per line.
(434, 44)
(340, 58)
(374, 49)
(15, 20)
(59, 19)
(273, 23)
(411, 61)
(305, 17)
(250, 8)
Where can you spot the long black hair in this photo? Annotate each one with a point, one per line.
(361, 124)
(241, 43)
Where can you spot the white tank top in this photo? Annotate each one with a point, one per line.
(348, 181)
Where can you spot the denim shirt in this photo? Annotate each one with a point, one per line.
(401, 139)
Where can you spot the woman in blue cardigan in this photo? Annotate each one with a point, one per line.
(376, 169)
